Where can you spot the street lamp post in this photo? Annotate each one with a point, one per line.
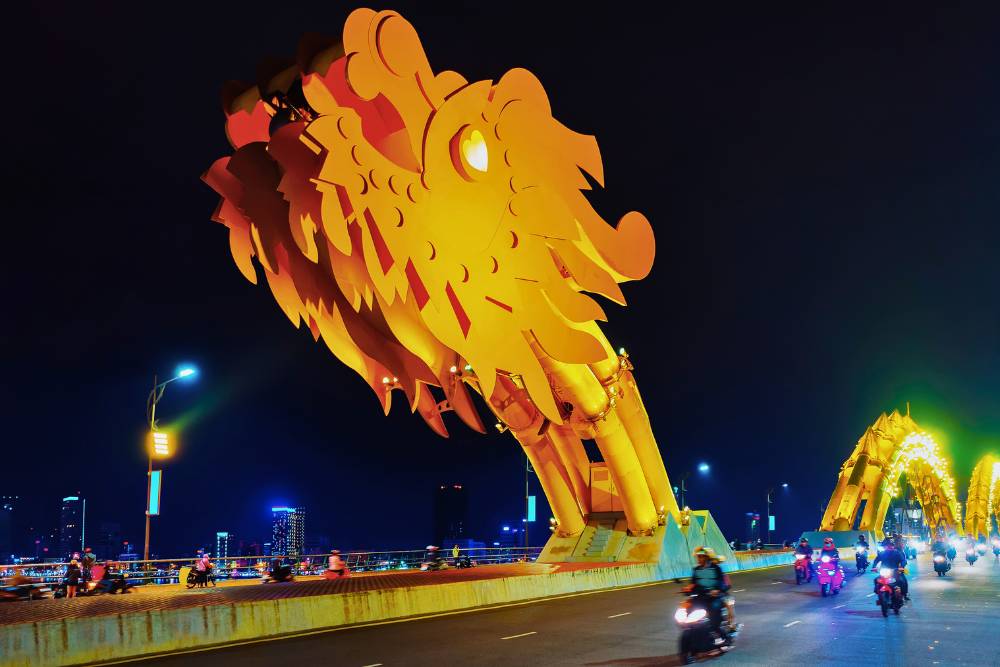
(156, 446)
(703, 468)
(767, 507)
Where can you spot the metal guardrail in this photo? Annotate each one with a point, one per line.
(168, 571)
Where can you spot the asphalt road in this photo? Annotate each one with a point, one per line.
(951, 621)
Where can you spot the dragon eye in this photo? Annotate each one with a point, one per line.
(469, 153)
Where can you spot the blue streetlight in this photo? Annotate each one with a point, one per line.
(703, 468)
(183, 372)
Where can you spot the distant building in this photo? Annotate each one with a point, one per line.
(317, 544)
(288, 527)
(71, 529)
(107, 540)
(224, 541)
(451, 510)
(267, 549)
(7, 547)
(509, 535)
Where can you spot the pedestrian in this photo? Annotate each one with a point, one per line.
(89, 561)
(72, 578)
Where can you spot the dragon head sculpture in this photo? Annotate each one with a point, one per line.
(428, 229)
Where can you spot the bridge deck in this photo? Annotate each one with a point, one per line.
(147, 598)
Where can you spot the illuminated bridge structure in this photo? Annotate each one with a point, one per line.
(890, 448)
(983, 501)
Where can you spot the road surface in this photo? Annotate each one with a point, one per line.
(951, 621)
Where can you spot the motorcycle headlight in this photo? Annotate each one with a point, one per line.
(970, 552)
(938, 559)
(681, 615)
(860, 550)
(799, 556)
(696, 615)
(881, 548)
(885, 573)
(825, 559)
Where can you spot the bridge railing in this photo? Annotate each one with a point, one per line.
(169, 571)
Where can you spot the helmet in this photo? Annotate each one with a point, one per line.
(804, 540)
(708, 552)
(828, 540)
(335, 551)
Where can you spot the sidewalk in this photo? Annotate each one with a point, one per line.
(175, 596)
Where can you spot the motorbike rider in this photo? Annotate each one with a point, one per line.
(709, 584)
(939, 547)
(335, 563)
(829, 550)
(896, 559)
(804, 548)
(862, 542)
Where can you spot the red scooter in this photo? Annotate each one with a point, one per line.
(890, 596)
(803, 569)
(830, 575)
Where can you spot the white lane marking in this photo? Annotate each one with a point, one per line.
(622, 614)
(776, 582)
(374, 664)
(788, 625)
(739, 590)
(839, 606)
(523, 634)
(870, 595)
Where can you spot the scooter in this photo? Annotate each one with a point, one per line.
(971, 556)
(890, 596)
(941, 564)
(861, 559)
(803, 569)
(698, 637)
(830, 576)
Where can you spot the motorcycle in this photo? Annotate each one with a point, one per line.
(279, 573)
(996, 551)
(889, 595)
(433, 561)
(830, 576)
(941, 564)
(971, 556)
(952, 552)
(803, 569)
(698, 637)
(861, 559)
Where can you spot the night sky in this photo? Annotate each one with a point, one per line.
(823, 187)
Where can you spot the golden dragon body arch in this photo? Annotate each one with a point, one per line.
(891, 447)
(983, 501)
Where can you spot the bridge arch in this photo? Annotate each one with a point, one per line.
(983, 501)
(869, 479)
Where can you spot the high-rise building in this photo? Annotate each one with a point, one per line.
(224, 542)
(71, 528)
(451, 509)
(7, 548)
(288, 530)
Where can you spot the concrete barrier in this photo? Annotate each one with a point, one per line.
(92, 639)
